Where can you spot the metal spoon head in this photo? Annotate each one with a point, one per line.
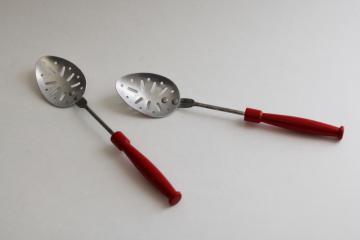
(60, 81)
(151, 94)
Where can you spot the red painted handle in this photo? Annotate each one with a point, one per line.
(294, 123)
(147, 169)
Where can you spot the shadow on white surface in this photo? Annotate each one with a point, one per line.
(30, 81)
(267, 129)
(142, 185)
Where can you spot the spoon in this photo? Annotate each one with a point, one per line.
(63, 85)
(157, 96)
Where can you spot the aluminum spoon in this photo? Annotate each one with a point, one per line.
(63, 85)
(157, 96)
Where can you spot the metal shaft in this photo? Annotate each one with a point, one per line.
(213, 107)
(188, 102)
(99, 120)
(82, 103)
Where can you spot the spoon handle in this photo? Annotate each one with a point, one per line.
(146, 168)
(294, 123)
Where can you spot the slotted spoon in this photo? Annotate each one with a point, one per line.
(157, 96)
(63, 85)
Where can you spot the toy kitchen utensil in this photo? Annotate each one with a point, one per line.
(63, 85)
(157, 96)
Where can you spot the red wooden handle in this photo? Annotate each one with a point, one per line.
(147, 169)
(294, 123)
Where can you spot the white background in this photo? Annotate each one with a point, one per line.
(61, 178)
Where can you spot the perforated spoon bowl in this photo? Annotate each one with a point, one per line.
(151, 94)
(63, 85)
(157, 96)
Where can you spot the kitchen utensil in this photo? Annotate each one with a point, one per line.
(63, 85)
(157, 96)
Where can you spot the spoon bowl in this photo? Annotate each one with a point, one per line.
(151, 94)
(60, 81)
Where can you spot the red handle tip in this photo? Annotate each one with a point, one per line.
(173, 200)
(341, 133)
